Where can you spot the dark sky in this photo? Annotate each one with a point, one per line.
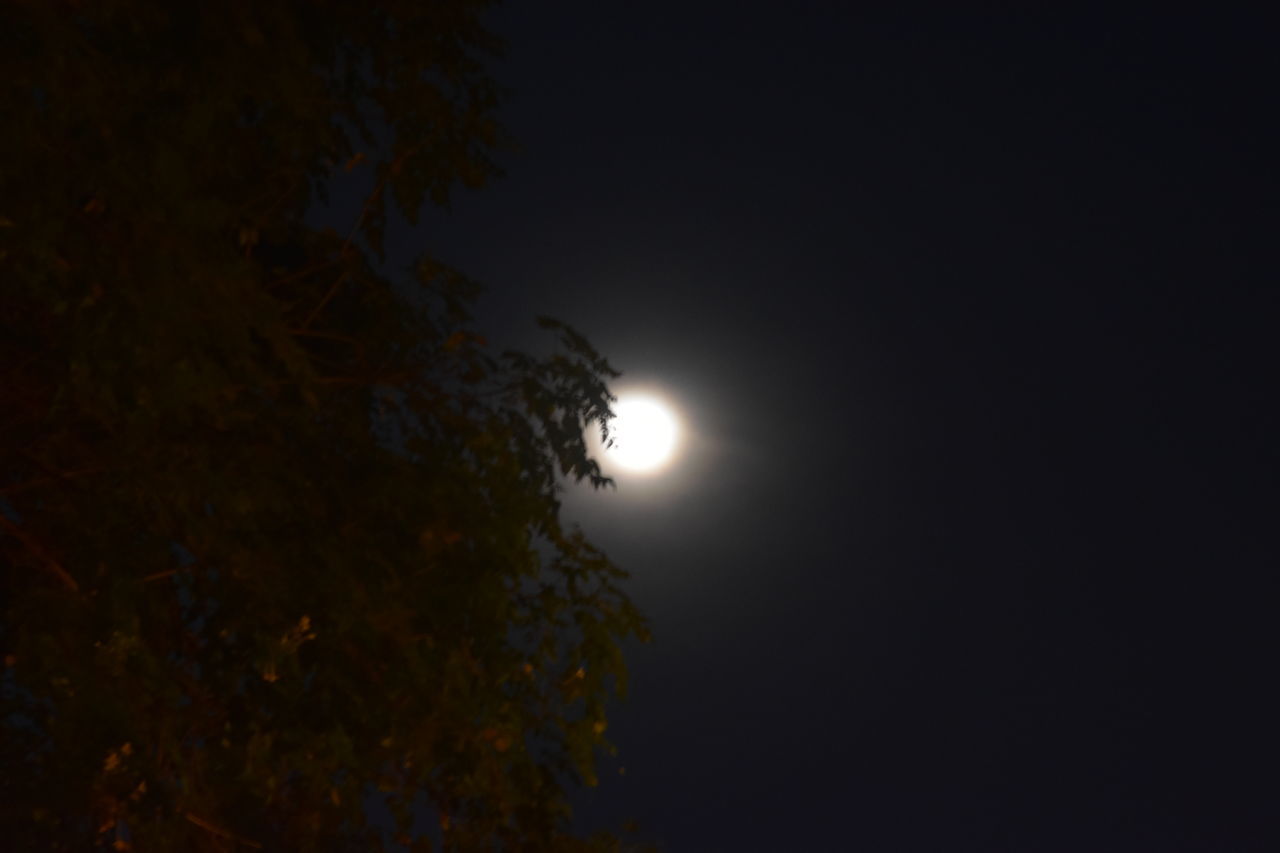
(972, 316)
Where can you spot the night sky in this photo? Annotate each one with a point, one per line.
(971, 319)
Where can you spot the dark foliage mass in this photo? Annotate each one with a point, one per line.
(279, 537)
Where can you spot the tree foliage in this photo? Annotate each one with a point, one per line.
(277, 534)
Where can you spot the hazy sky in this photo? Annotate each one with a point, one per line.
(972, 318)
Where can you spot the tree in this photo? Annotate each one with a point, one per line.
(277, 534)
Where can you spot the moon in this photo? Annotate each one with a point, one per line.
(644, 433)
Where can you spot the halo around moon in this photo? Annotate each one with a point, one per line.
(644, 433)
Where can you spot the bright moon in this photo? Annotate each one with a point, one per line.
(644, 434)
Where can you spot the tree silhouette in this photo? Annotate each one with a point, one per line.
(277, 535)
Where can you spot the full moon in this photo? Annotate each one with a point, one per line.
(644, 433)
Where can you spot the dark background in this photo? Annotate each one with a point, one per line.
(971, 315)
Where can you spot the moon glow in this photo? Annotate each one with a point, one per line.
(644, 434)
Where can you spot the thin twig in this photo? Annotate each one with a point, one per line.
(372, 379)
(375, 379)
(333, 290)
(9, 491)
(46, 559)
(329, 336)
(333, 336)
(219, 831)
(375, 196)
(304, 272)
